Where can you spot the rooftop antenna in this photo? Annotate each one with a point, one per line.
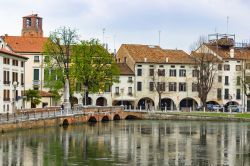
(227, 23)
(103, 32)
(159, 37)
(114, 44)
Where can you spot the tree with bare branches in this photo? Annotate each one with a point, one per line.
(158, 83)
(205, 70)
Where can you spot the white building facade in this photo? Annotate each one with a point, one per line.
(12, 82)
(30, 44)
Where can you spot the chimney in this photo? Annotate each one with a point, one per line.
(145, 59)
(166, 59)
(231, 53)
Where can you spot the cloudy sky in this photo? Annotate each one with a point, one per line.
(180, 22)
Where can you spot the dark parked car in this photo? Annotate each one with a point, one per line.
(233, 108)
(211, 107)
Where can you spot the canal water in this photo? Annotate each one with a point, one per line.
(130, 143)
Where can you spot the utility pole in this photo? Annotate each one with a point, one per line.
(159, 37)
(103, 32)
(227, 23)
(114, 45)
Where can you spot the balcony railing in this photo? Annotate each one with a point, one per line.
(130, 93)
(6, 82)
(6, 99)
(130, 81)
(36, 82)
(117, 93)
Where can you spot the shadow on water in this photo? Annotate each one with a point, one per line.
(65, 124)
(132, 117)
(105, 119)
(117, 117)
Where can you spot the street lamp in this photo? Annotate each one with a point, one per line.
(122, 90)
(14, 96)
(85, 94)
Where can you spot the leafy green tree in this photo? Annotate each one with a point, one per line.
(93, 67)
(33, 96)
(57, 61)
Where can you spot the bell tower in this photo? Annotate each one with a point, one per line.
(32, 26)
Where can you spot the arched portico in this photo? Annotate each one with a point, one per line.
(145, 103)
(231, 103)
(88, 101)
(167, 104)
(187, 103)
(74, 100)
(101, 101)
(213, 102)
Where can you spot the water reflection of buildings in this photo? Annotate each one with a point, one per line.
(130, 143)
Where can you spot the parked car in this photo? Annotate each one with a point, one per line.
(233, 108)
(199, 108)
(217, 108)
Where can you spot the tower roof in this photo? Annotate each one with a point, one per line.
(32, 15)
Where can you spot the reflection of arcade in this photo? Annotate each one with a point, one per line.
(145, 104)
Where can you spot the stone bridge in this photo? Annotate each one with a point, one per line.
(100, 114)
(34, 118)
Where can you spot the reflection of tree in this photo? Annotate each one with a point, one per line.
(146, 143)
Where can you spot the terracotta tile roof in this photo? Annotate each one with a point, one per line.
(4, 51)
(25, 44)
(205, 56)
(45, 94)
(124, 69)
(179, 57)
(239, 53)
(155, 54)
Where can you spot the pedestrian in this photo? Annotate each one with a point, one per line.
(62, 107)
(148, 108)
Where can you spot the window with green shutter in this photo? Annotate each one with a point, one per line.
(36, 74)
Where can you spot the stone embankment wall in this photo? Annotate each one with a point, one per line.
(106, 113)
(162, 116)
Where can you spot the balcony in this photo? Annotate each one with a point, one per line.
(130, 81)
(36, 82)
(6, 99)
(6, 82)
(130, 94)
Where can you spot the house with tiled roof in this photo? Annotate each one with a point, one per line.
(171, 69)
(12, 83)
(30, 44)
(232, 73)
